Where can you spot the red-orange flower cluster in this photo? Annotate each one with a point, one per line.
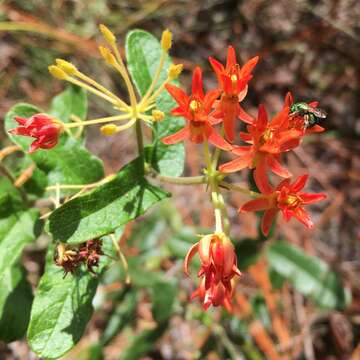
(288, 199)
(42, 127)
(267, 139)
(196, 109)
(233, 81)
(218, 268)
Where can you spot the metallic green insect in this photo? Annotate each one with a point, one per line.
(311, 115)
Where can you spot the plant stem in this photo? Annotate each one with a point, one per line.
(211, 173)
(144, 100)
(187, 180)
(97, 121)
(121, 258)
(238, 188)
(139, 138)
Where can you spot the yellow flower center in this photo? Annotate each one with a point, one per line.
(234, 79)
(195, 106)
(292, 201)
(266, 136)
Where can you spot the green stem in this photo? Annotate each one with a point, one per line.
(187, 180)
(238, 188)
(139, 138)
(218, 150)
(213, 183)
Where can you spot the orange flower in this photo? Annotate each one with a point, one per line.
(195, 109)
(267, 139)
(286, 198)
(218, 267)
(233, 81)
(42, 127)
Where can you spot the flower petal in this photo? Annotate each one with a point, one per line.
(260, 176)
(307, 198)
(289, 100)
(235, 165)
(313, 104)
(217, 67)
(304, 217)
(209, 99)
(197, 84)
(249, 66)
(190, 254)
(204, 249)
(178, 94)
(177, 137)
(259, 204)
(262, 119)
(267, 220)
(299, 183)
(231, 57)
(276, 167)
(218, 141)
(245, 117)
(21, 120)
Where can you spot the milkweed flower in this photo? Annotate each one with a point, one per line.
(288, 199)
(218, 268)
(42, 127)
(267, 139)
(196, 109)
(233, 81)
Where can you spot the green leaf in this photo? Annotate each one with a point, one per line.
(123, 314)
(310, 275)
(61, 310)
(143, 52)
(109, 206)
(15, 303)
(72, 101)
(163, 295)
(67, 163)
(16, 231)
(10, 198)
(248, 251)
(143, 343)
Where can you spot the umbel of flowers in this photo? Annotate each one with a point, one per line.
(210, 119)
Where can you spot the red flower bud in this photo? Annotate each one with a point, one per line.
(218, 267)
(42, 127)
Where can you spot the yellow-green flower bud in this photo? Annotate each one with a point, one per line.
(58, 73)
(108, 129)
(66, 66)
(107, 34)
(175, 71)
(166, 40)
(158, 115)
(107, 55)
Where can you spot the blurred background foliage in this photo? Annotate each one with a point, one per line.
(289, 304)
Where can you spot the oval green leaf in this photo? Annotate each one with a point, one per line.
(309, 275)
(143, 52)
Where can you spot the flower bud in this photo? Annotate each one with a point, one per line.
(158, 115)
(107, 55)
(108, 129)
(58, 73)
(175, 71)
(66, 66)
(166, 40)
(107, 34)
